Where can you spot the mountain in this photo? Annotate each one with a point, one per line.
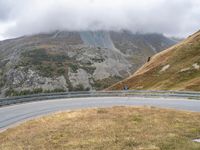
(71, 61)
(177, 68)
(176, 39)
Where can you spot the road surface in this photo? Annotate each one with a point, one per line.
(15, 114)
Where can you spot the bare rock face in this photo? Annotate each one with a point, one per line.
(21, 79)
(110, 67)
(69, 61)
(80, 78)
(97, 39)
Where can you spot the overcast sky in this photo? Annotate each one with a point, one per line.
(171, 17)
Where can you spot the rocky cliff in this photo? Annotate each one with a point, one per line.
(71, 61)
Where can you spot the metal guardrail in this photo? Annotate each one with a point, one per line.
(142, 93)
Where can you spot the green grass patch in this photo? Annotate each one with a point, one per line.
(11, 92)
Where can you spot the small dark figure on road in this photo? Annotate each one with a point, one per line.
(126, 87)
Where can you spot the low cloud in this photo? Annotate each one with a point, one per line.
(174, 18)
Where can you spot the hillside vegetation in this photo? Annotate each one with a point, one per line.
(64, 61)
(177, 68)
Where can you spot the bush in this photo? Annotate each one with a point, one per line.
(89, 69)
(2, 82)
(45, 70)
(38, 90)
(12, 92)
(58, 90)
(61, 71)
(46, 63)
(74, 67)
(80, 87)
(9, 92)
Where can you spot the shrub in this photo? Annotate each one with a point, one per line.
(38, 90)
(12, 92)
(74, 67)
(61, 71)
(58, 90)
(80, 87)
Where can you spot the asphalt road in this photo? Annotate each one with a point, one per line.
(15, 114)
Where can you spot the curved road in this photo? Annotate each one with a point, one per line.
(15, 114)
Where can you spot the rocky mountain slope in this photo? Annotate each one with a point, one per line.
(71, 61)
(177, 68)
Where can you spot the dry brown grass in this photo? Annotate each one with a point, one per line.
(141, 128)
(178, 57)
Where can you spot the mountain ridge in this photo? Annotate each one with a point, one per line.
(176, 68)
(70, 61)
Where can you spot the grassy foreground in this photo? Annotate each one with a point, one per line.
(135, 128)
